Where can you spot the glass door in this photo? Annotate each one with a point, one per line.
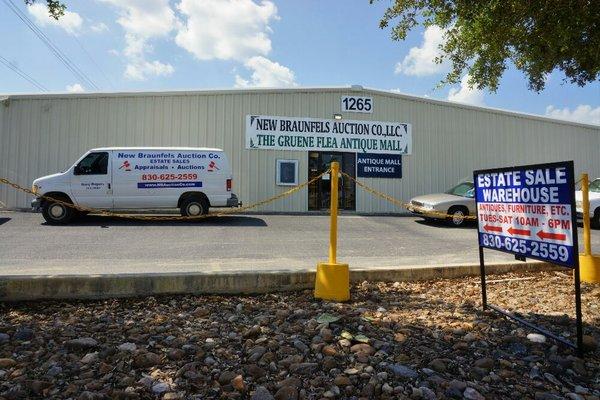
(319, 192)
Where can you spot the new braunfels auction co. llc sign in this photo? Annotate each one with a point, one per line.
(286, 133)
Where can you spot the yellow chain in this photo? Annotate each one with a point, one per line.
(237, 210)
(166, 218)
(428, 213)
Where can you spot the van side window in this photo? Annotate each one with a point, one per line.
(93, 164)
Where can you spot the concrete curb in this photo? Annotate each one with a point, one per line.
(47, 287)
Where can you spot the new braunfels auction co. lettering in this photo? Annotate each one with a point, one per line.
(302, 134)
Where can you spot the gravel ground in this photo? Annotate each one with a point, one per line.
(392, 341)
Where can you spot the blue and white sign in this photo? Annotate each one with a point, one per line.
(378, 165)
(529, 211)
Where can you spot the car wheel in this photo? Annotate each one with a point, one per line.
(194, 207)
(595, 223)
(456, 216)
(57, 213)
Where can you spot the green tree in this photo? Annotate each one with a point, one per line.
(484, 36)
(56, 9)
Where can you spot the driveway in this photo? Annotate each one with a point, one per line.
(100, 245)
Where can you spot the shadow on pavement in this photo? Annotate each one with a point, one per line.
(446, 225)
(237, 220)
(4, 220)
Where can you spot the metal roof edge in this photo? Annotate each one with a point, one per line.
(493, 110)
(308, 89)
(182, 92)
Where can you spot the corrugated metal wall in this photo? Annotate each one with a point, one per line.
(45, 134)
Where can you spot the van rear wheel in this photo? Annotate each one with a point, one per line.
(57, 213)
(194, 207)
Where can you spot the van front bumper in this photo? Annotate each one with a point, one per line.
(233, 201)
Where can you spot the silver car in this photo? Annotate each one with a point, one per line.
(451, 206)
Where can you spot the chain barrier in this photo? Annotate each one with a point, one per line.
(408, 206)
(107, 213)
(238, 210)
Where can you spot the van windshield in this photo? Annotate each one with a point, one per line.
(595, 186)
(463, 189)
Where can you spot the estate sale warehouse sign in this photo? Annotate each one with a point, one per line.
(529, 211)
(287, 133)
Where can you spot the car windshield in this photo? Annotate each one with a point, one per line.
(595, 186)
(463, 189)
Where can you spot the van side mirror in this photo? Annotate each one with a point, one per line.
(77, 170)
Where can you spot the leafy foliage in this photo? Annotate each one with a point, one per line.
(483, 36)
(56, 9)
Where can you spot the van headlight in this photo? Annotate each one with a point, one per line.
(427, 207)
(35, 189)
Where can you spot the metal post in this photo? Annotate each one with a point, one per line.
(578, 317)
(482, 273)
(587, 243)
(332, 281)
(335, 168)
(589, 263)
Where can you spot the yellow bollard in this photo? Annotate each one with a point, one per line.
(332, 281)
(589, 264)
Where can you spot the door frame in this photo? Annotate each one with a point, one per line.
(319, 192)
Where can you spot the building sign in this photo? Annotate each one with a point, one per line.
(357, 104)
(378, 165)
(303, 134)
(529, 211)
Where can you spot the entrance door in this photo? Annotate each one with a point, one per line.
(319, 192)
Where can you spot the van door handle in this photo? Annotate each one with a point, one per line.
(109, 186)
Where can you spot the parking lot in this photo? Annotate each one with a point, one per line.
(100, 245)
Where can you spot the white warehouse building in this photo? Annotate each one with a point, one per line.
(275, 138)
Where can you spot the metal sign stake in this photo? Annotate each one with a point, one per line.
(496, 241)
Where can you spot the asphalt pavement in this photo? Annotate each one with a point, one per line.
(101, 245)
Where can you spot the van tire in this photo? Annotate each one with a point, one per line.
(194, 206)
(455, 214)
(55, 213)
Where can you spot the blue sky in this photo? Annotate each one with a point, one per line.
(124, 45)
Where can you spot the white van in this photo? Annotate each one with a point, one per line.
(139, 178)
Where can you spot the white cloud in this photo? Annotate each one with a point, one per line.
(582, 113)
(142, 21)
(226, 29)
(71, 21)
(141, 70)
(420, 61)
(145, 18)
(75, 88)
(266, 73)
(99, 27)
(466, 94)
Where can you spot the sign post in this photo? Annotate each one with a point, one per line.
(529, 211)
(332, 281)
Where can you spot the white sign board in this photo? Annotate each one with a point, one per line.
(357, 104)
(529, 211)
(303, 134)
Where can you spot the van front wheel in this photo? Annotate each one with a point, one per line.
(194, 207)
(57, 213)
